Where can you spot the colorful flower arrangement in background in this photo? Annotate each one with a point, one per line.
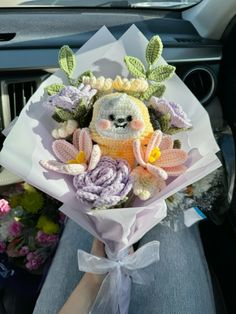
(114, 135)
(30, 226)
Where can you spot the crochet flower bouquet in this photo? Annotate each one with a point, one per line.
(106, 136)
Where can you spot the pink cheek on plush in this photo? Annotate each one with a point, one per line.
(104, 124)
(137, 125)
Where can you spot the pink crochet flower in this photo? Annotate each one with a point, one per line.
(160, 158)
(75, 158)
(4, 207)
(15, 229)
(2, 247)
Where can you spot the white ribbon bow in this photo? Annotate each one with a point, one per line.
(114, 294)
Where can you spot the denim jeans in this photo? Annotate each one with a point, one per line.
(182, 284)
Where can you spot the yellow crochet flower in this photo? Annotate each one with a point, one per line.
(134, 85)
(101, 83)
(47, 225)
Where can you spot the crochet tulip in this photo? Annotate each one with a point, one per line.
(160, 160)
(75, 158)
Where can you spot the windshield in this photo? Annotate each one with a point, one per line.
(100, 3)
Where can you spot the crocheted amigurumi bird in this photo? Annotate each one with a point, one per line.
(117, 120)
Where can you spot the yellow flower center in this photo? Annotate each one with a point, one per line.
(154, 155)
(79, 158)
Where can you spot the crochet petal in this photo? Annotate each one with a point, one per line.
(138, 153)
(64, 150)
(52, 165)
(59, 167)
(85, 143)
(166, 143)
(74, 169)
(175, 171)
(95, 157)
(154, 142)
(145, 184)
(157, 171)
(171, 158)
(76, 135)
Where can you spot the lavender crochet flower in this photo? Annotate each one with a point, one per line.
(106, 185)
(70, 96)
(179, 118)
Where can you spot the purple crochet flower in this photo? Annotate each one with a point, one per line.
(70, 96)
(179, 118)
(106, 185)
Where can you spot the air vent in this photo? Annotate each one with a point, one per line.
(14, 96)
(202, 83)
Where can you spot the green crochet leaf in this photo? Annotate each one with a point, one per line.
(174, 130)
(164, 121)
(135, 66)
(57, 118)
(154, 50)
(63, 114)
(84, 116)
(160, 91)
(153, 90)
(177, 144)
(161, 73)
(86, 73)
(154, 118)
(54, 89)
(67, 60)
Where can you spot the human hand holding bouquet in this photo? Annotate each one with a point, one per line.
(115, 137)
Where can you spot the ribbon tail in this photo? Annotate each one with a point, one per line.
(106, 300)
(139, 265)
(114, 294)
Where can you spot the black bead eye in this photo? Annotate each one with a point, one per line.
(129, 118)
(111, 117)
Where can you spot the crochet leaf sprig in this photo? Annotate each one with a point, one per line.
(166, 127)
(154, 50)
(82, 114)
(154, 74)
(67, 61)
(135, 66)
(54, 89)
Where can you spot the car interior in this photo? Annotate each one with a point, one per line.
(199, 40)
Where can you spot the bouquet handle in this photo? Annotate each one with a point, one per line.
(114, 294)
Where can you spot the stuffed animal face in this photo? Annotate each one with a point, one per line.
(119, 117)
